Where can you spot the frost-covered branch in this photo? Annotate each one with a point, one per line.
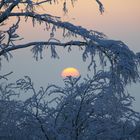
(49, 43)
(111, 48)
(82, 112)
(121, 63)
(96, 107)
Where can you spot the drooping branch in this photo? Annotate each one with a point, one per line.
(78, 30)
(32, 4)
(15, 47)
(121, 62)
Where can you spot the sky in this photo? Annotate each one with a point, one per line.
(120, 21)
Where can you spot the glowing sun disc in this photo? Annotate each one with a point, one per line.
(73, 72)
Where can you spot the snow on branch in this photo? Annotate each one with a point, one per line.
(122, 59)
(96, 107)
(42, 45)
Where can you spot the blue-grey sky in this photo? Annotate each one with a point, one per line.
(120, 21)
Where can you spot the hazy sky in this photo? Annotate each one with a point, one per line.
(121, 21)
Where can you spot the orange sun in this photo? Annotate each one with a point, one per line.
(73, 72)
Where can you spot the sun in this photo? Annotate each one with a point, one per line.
(70, 71)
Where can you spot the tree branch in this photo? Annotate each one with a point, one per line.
(2, 3)
(101, 7)
(5, 76)
(71, 43)
(78, 30)
(6, 13)
(41, 2)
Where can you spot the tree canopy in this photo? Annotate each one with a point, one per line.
(97, 108)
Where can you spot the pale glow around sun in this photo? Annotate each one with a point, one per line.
(70, 71)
